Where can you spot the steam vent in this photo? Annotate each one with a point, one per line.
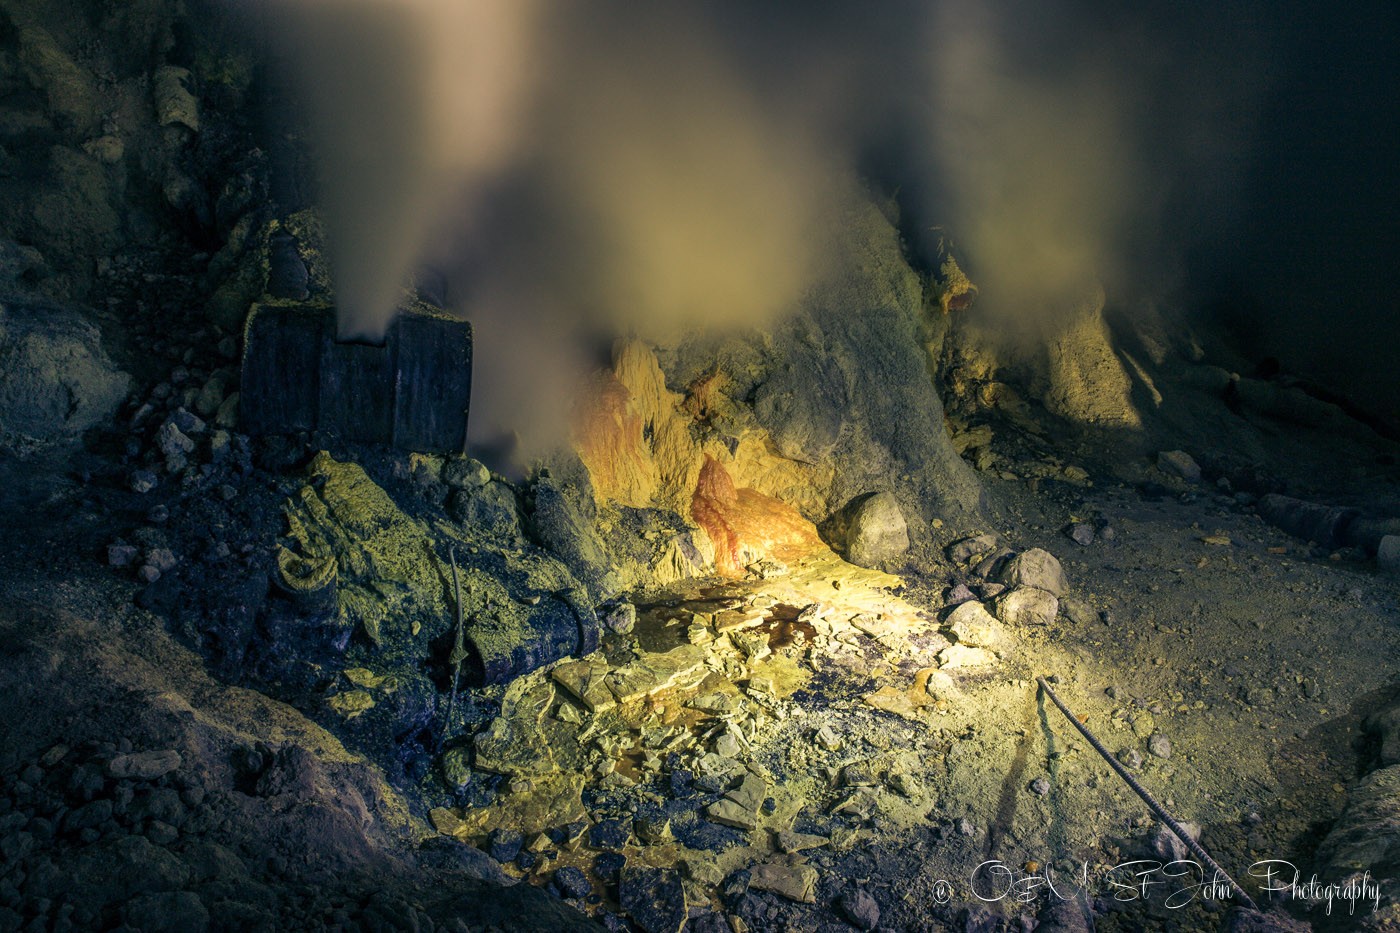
(699, 467)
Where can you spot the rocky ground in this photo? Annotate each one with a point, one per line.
(812, 745)
(760, 653)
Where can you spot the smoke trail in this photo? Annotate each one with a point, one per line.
(412, 101)
(583, 171)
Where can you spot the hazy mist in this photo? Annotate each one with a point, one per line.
(579, 171)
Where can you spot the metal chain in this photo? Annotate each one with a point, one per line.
(1152, 804)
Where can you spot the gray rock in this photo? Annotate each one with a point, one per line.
(992, 563)
(860, 908)
(1159, 746)
(572, 883)
(161, 833)
(827, 738)
(121, 555)
(1168, 847)
(56, 381)
(1080, 533)
(465, 473)
(163, 559)
(1038, 568)
(563, 522)
(1131, 758)
(803, 403)
(227, 415)
(1179, 463)
(1040, 786)
(1388, 554)
(877, 533)
(621, 618)
(17, 261)
(1367, 835)
(959, 595)
(188, 422)
(789, 879)
(1026, 605)
(167, 912)
(965, 550)
(175, 105)
(973, 625)
(172, 442)
(211, 396)
(654, 898)
(144, 766)
(491, 509)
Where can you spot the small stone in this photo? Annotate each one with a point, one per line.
(966, 550)
(1026, 605)
(456, 767)
(1179, 463)
(1040, 786)
(227, 415)
(1130, 758)
(857, 776)
(792, 842)
(143, 481)
(959, 595)
(878, 532)
(654, 898)
(144, 766)
(171, 441)
(621, 618)
(827, 738)
(163, 559)
(159, 514)
(121, 555)
(1081, 534)
(727, 745)
(167, 912)
(1159, 746)
(974, 626)
(729, 813)
(161, 833)
(860, 908)
(1388, 554)
(465, 473)
(211, 396)
(147, 574)
(570, 882)
(505, 844)
(610, 834)
(796, 882)
(1036, 568)
(654, 831)
(906, 785)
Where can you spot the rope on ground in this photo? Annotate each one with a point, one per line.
(1160, 811)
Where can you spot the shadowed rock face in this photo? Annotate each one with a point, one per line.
(833, 404)
(55, 379)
